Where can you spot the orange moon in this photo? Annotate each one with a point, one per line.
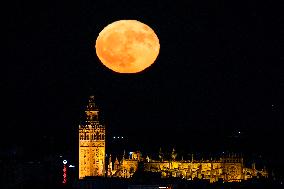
(127, 46)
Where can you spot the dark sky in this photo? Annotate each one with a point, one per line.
(211, 79)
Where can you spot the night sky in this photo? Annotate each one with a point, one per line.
(211, 80)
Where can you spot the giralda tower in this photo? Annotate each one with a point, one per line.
(91, 143)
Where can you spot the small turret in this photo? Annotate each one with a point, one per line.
(161, 155)
(174, 154)
(123, 157)
(109, 166)
(116, 164)
(148, 158)
(253, 166)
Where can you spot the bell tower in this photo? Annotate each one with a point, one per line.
(91, 143)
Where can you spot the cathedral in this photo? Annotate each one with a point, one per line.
(92, 156)
(229, 168)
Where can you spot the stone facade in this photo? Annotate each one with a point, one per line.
(228, 168)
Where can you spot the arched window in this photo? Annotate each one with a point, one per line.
(81, 137)
(103, 137)
(97, 135)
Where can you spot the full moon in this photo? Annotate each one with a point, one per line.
(127, 46)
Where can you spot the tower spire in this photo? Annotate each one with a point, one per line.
(174, 154)
(161, 154)
(123, 157)
(109, 160)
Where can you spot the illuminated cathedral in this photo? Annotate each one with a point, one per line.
(92, 156)
(229, 168)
